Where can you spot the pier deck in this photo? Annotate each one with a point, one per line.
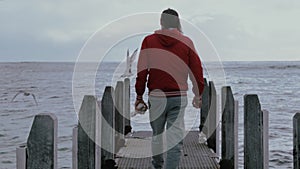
(137, 153)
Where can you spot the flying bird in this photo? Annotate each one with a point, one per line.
(129, 61)
(25, 94)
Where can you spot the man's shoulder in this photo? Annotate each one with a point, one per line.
(187, 39)
(152, 35)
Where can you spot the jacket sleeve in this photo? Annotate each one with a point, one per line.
(142, 71)
(195, 72)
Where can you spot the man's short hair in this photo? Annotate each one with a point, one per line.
(170, 19)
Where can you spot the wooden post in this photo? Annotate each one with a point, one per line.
(204, 108)
(255, 121)
(296, 140)
(75, 148)
(127, 106)
(21, 157)
(98, 135)
(229, 129)
(119, 117)
(266, 138)
(88, 133)
(218, 127)
(212, 117)
(42, 142)
(236, 136)
(108, 124)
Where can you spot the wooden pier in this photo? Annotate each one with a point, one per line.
(102, 138)
(195, 155)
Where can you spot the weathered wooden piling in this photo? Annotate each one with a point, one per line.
(21, 157)
(266, 138)
(119, 116)
(255, 126)
(88, 140)
(296, 140)
(75, 148)
(104, 123)
(119, 108)
(42, 142)
(127, 106)
(108, 124)
(229, 153)
(205, 107)
(236, 136)
(212, 118)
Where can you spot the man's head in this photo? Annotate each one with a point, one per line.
(170, 19)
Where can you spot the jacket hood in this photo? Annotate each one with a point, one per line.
(168, 37)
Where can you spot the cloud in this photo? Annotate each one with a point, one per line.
(56, 30)
(255, 34)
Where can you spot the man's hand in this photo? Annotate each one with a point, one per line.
(137, 102)
(197, 102)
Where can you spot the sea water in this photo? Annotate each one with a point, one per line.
(276, 84)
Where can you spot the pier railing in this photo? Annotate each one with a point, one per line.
(226, 120)
(103, 124)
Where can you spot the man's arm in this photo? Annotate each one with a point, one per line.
(196, 76)
(142, 73)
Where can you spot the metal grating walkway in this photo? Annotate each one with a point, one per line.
(137, 153)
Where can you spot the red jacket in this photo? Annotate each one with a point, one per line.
(167, 58)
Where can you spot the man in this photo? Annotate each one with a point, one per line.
(166, 60)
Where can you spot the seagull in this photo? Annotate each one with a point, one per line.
(25, 94)
(129, 61)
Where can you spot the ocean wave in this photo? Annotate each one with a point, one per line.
(54, 97)
(3, 135)
(6, 162)
(284, 67)
(280, 157)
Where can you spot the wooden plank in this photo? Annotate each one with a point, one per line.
(195, 155)
(42, 142)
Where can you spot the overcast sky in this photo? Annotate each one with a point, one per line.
(56, 30)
